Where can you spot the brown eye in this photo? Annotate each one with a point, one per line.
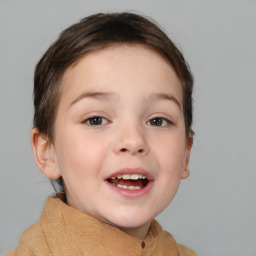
(95, 120)
(159, 121)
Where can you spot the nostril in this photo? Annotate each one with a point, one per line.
(125, 149)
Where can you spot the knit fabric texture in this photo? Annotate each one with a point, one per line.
(65, 231)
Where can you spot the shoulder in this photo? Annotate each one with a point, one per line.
(185, 251)
(182, 249)
(32, 242)
(32, 234)
(10, 253)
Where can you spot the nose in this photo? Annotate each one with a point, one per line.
(131, 140)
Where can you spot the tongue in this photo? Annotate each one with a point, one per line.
(128, 182)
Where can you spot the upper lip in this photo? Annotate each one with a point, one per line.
(128, 170)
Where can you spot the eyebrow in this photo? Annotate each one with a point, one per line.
(94, 95)
(164, 96)
(110, 95)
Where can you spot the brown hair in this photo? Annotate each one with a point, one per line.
(93, 33)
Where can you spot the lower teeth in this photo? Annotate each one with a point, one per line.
(126, 187)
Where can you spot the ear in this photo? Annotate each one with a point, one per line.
(44, 154)
(185, 171)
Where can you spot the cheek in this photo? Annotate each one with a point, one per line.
(171, 163)
(79, 154)
(170, 153)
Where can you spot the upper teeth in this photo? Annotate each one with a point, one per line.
(129, 177)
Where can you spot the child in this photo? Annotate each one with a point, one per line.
(112, 123)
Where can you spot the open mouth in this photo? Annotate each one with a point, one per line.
(129, 181)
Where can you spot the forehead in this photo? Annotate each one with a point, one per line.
(125, 68)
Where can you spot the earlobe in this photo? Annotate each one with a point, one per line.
(44, 155)
(185, 171)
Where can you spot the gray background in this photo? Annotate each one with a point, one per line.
(215, 209)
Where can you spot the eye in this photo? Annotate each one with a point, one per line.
(159, 121)
(95, 121)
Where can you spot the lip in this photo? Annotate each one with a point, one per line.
(131, 194)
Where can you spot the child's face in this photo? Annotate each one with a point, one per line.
(112, 117)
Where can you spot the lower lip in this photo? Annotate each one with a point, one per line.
(132, 193)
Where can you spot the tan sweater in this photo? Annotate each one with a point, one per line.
(65, 231)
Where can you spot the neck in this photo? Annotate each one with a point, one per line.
(139, 232)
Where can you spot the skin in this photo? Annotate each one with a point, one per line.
(130, 77)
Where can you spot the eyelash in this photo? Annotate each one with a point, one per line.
(91, 118)
(100, 119)
(168, 122)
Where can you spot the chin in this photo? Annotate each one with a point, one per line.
(130, 220)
